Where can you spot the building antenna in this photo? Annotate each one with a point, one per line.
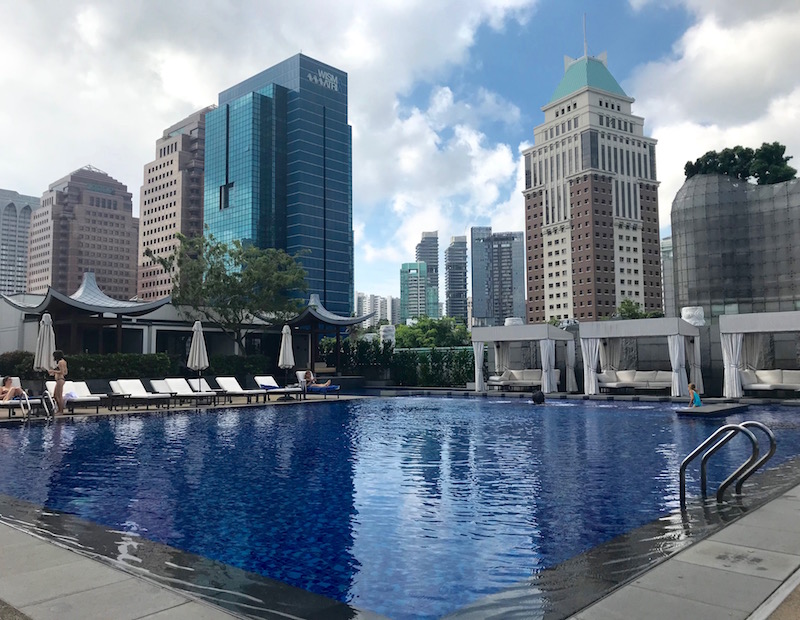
(585, 44)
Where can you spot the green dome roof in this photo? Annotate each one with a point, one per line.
(586, 71)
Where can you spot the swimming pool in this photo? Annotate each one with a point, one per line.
(407, 507)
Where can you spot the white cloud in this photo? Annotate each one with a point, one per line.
(730, 80)
(112, 76)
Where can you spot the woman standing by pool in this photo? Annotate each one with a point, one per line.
(59, 373)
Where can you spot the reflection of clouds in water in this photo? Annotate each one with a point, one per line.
(128, 432)
(175, 426)
(228, 428)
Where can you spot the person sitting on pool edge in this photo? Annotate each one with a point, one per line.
(310, 382)
(694, 397)
(8, 391)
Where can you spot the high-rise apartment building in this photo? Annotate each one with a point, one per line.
(428, 253)
(393, 310)
(278, 171)
(667, 278)
(416, 297)
(15, 224)
(455, 266)
(85, 223)
(171, 200)
(591, 202)
(498, 280)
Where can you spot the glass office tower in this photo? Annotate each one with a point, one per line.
(278, 171)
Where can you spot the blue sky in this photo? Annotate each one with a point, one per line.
(442, 95)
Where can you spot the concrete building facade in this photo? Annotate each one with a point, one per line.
(170, 201)
(668, 278)
(85, 223)
(591, 203)
(455, 265)
(15, 224)
(427, 252)
(498, 276)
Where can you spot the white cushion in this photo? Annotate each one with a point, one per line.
(532, 375)
(515, 375)
(643, 376)
(770, 376)
(791, 377)
(626, 376)
(748, 376)
(609, 376)
(664, 376)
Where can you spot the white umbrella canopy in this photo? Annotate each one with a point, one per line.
(45, 344)
(198, 356)
(286, 355)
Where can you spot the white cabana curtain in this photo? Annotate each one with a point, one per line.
(548, 352)
(677, 358)
(752, 352)
(477, 349)
(501, 357)
(590, 348)
(572, 384)
(610, 354)
(695, 371)
(731, 358)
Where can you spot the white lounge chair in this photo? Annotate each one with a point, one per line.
(133, 391)
(183, 391)
(76, 394)
(271, 386)
(231, 387)
(26, 404)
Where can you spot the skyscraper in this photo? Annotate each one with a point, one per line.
(171, 200)
(15, 224)
(591, 201)
(85, 223)
(279, 171)
(498, 285)
(416, 297)
(428, 252)
(455, 265)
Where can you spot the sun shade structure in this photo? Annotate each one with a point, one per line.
(740, 338)
(502, 337)
(45, 344)
(606, 334)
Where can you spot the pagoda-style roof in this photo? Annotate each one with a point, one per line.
(88, 298)
(316, 312)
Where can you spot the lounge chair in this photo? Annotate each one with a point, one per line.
(25, 403)
(231, 387)
(268, 383)
(315, 389)
(133, 391)
(183, 391)
(77, 394)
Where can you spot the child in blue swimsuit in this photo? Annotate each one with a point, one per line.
(694, 397)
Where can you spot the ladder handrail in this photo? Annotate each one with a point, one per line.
(685, 463)
(773, 445)
(711, 451)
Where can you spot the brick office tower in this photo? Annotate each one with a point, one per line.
(591, 202)
(171, 200)
(85, 223)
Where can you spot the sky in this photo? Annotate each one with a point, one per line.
(443, 94)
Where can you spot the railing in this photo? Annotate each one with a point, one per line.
(743, 472)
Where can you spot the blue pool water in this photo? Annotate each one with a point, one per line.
(410, 507)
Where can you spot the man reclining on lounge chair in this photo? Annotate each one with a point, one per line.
(311, 382)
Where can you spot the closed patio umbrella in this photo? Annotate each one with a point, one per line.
(45, 344)
(198, 356)
(286, 355)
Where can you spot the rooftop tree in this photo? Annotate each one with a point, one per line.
(766, 164)
(230, 285)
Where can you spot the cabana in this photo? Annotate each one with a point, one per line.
(741, 339)
(677, 331)
(546, 334)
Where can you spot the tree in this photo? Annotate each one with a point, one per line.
(629, 309)
(231, 285)
(767, 164)
(427, 332)
(770, 165)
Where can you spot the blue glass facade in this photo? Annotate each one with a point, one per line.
(279, 171)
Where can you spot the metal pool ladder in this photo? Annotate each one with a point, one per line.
(743, 472)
